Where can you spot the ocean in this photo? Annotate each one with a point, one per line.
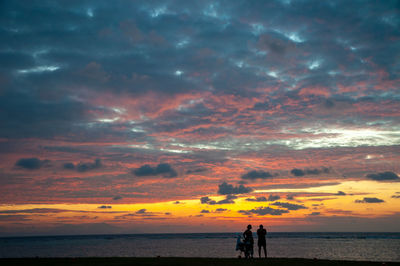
(334, 246)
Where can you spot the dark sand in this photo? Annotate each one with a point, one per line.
(181, 262)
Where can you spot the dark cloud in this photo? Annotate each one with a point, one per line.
(225, 189)
(83, 167)
(104, 207)
(195, 171)
(383, 176)
(229, 199)
(315, 214)
(273, 197)
(261, 211)
(340, 193)
(300, 172)
(258, 199)
(163, 169)
(290, 197)
(262, 199)
(117, 197)
(297, 172)
(141, 211)
(205, 211)
(204, 200)
(289, 206)
(369, 200)
(220, 210)
(252, 175)
(69, 166)
(30, 163)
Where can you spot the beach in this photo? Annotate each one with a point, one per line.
(183, 262)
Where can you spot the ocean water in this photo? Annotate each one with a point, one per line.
(335, 246)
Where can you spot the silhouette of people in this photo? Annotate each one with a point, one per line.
(249, 242)
(261, 233)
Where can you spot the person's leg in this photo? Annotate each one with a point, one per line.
(246, 250)
(265, 250)
(259, 251)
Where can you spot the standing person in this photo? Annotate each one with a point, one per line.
(249, 242)
(261, 233)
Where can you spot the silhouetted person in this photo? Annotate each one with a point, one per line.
(261, 233)
(249, 242)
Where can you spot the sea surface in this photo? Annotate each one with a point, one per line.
(336, 246)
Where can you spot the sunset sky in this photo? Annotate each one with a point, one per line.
(199, 116)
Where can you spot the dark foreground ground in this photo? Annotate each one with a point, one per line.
(182, 262)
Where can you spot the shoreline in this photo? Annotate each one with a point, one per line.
(269, 234)
(183, 261)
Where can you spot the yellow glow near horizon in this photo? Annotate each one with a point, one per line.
(192, 211)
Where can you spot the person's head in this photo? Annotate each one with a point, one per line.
(249, 226)
(261, 226)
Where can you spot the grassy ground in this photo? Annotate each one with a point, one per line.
(181, 262)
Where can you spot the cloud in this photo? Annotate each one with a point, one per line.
(163, 169)
(289, 206)
(69, 166)
(253, 175)
(83, 167)
(369, 200)
(225, 189)
(261, 211)
(340, 193)
(383, 176)
(214, 94)
(297, 172)
(258, 199)
(205, 211)
(273, 197)
(220, 210)
(117, 197)
(262, 199)
(104, 207)
(141, 211)
(315, 214)
(195, 171)
(300, 172)
(30, 163)
(229, 199)
(204, 200)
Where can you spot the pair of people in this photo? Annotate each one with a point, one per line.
(249, 241)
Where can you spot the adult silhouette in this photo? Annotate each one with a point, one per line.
(249, 242)
(262, 243)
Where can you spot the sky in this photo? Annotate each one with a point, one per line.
(199, 116)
